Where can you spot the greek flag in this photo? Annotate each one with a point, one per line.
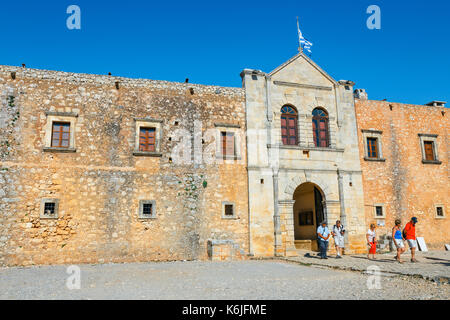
(304, 44)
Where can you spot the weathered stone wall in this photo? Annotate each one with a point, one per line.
(99, 185)
(401, 182)
(302, 84)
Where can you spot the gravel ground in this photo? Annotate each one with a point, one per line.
(210, 280)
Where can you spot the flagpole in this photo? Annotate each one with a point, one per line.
(300, 49)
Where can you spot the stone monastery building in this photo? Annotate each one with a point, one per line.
(100, 169)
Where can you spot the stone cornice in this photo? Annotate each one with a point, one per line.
(299, 85)
(226, 125)
(61, 114)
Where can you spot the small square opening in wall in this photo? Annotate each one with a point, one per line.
(379, 211)
(440, 213)
(49, 209)
(228, 210)
(147, 209)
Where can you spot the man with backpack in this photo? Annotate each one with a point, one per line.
(409, 233)
(338, 235)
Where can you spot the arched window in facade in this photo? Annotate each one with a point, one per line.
(320, 128)
(289, 125)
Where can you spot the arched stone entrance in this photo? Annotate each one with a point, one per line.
(309, 210)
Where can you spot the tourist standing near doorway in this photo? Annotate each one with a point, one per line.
(398, 239)
(371, 241)
(409, 234)
(338, 235)
(323, 235)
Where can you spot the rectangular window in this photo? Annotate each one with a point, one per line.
(49, 208)
(289, 130)
(227, 143)
(372, 148)
(147, 209)
(379, 211)
(147, 139)
(429, 152)
(439, 211)
(61, 134)
(229, 210)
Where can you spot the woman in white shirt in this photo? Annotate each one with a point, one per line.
(371, 241)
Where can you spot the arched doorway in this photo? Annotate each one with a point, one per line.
(309, 212)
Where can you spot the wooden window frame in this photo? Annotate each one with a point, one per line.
(428, 147)
(372, 147)
(289, 113)
(60, 139)
(144, 140)
(372, 134)
(316, 120)
(432, 140)
(225, 143)
(148, 123)
(54, 118)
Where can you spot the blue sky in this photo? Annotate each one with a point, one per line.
(211, 42)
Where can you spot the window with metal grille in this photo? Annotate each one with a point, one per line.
(61, 134)
(320, 128)
(429, 152)
(147, 209)
(49, 208)
(227, 143)
(372, 147)
(147, 139)
(379, 211)
(229, 210)
(289, 134)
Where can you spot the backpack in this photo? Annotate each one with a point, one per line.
(404, 231)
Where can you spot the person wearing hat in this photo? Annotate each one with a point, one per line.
(323, 235)
(409, 234)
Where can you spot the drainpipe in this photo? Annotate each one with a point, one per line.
(343, 217)
(274, 164)
(276, 214)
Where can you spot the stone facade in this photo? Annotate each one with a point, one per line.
(102, 179)
(100, 197)
(399, 180)
(277, 171)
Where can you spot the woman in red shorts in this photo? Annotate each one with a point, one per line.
(371, 241)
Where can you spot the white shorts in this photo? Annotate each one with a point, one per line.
(412, 243)
(339, 242)
(399, 243)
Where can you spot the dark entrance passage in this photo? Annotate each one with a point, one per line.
(309, 212)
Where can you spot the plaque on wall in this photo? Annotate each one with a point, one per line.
(305, 218)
